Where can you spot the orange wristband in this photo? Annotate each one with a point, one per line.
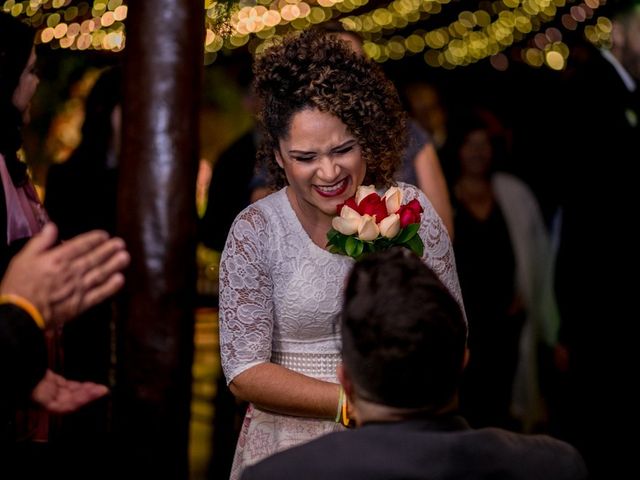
(341, 397)
(25, 305)
(345, 420)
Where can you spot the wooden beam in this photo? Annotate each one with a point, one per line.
(157, 219)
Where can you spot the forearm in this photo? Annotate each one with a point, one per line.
(278, 389)
(433, 184)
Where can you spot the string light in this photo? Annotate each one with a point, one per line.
(63, 25)
(474, 35)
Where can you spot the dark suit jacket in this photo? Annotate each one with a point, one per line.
(23, 362)
(598, 252)
(601, 146)
(445, 448)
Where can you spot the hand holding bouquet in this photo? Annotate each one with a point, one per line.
(369, 223)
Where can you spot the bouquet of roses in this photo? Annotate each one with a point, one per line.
(369, 223)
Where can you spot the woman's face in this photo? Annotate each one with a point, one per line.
(322, 161)
(476, 153)
(26, 88)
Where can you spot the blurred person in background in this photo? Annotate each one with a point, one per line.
(81, 195)
(504, 260)
(45, 285)
(597, 255)
(21, 213)
(233, 179)
(81, 192)
(49, 284)
(426, 107)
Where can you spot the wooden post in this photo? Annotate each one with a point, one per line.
(157, 219)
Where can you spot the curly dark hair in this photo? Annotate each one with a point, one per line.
(314, 70)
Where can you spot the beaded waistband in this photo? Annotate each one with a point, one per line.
(312, 364)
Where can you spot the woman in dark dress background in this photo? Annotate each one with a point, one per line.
(504, 261)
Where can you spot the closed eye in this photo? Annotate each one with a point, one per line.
(303, 158)
(345, 147)
(343, 150)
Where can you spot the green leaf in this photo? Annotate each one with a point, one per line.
(415, 245)
(331, 234)
(406, 233)
(351, 246)
(337, 240)
(336, 249)
(359, 249)
(382, 243)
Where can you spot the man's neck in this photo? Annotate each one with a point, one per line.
(365, 411)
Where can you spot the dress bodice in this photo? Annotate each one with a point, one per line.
(280, 293)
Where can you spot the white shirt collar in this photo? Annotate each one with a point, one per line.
(628, 80)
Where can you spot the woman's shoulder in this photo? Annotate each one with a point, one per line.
(273, 200)
(265, 211)
(263, 225)
(410, 192)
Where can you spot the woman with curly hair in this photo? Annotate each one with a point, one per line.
(330, 122)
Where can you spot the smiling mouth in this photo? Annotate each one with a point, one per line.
(333, 190)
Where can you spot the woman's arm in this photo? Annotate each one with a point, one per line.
(246, 327)
(278, 389)
(438, 249)
(431, 181)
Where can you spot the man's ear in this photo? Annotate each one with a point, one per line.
(465, 359)
(276, 152)
(345, 381)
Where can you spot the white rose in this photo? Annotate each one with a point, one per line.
(390, 226)
(368, 230)
(348, 212)
(346, 226)
(393, 199)
(363, 192)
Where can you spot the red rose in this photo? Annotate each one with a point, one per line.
(410, 213)
(372, 205)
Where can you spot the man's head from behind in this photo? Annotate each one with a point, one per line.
(404, 335)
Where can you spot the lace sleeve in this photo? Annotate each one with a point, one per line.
(438, 250)
(246, 305)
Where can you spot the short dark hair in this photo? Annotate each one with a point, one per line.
(403, 334)
(312, 70)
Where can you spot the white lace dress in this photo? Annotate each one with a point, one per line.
(280, 296)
